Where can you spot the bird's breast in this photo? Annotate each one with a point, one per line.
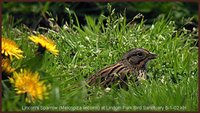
(141, 75)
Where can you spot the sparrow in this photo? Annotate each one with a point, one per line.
(132, 66)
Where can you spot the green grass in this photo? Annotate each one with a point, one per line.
(173, 84)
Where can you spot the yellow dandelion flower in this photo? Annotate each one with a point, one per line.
(27, 82)
(44, 44)
(10, 48)
(6, 68)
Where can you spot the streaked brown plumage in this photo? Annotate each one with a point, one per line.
(131, 66)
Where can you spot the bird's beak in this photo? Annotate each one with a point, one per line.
(152, 56)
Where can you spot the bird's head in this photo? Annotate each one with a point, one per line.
(139, 57)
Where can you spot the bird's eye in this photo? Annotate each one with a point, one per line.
(139, 54)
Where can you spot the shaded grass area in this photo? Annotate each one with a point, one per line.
(151, 10)
(85, 49)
